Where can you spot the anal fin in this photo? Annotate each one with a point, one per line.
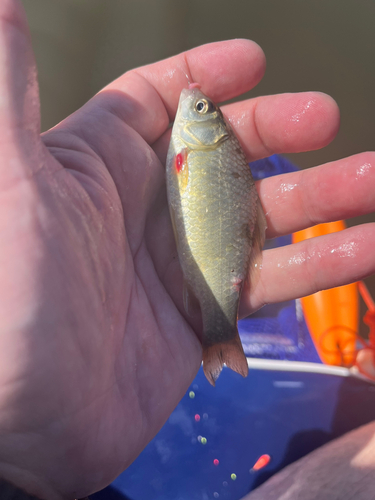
(191, 303)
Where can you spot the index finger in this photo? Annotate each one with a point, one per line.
(147, 97)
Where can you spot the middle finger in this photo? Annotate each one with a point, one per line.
(283, 123)
(338, 190)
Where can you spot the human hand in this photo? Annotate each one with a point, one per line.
(95, 347)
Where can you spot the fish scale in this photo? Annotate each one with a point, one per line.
(215, 209)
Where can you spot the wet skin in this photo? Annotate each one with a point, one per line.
(95, 347)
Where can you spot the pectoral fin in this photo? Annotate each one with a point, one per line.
(191, 303)
(173, 220)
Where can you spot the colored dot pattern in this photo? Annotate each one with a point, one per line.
(203, 440)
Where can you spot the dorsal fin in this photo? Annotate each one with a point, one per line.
(256, 256)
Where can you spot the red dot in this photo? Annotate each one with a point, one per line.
(197, 417)
(179, 162)
(216, 461)
(262, 461)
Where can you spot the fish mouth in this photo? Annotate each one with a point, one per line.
(193, 92)
(186, 93)
(187, 98)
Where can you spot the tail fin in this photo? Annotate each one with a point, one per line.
(230, 353)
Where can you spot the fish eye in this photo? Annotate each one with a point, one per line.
(202, 106)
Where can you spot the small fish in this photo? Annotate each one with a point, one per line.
(218, 223)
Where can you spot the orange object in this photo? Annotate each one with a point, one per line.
(331, 315)
(369, 317)
(261, 462)
(365, 361)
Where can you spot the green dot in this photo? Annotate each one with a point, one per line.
(191, 394)
(233, 477)
(203, 440)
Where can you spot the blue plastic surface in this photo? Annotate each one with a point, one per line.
(285, 414)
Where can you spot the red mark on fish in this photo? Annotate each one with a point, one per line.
(180, 160)
(237, 283)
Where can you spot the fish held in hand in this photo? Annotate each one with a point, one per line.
(218, 223)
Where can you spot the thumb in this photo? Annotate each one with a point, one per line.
(19, 95)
